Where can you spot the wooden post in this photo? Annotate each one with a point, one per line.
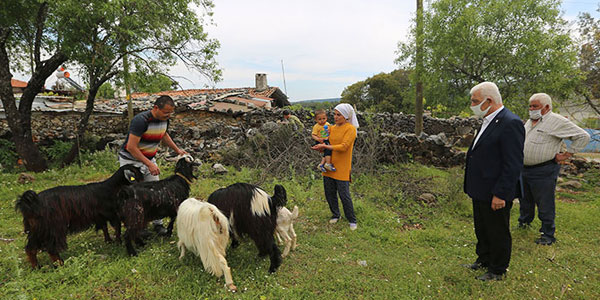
(419, 70)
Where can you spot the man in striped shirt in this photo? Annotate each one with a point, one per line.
(545, 131)
(146, 131)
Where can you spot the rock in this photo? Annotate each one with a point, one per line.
(25, 178)
(219, 169)
(571, 184)
(427, 198)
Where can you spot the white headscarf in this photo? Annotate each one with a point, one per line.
(348, 112)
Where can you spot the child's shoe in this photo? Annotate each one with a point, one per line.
(321, 168)
(330, 167)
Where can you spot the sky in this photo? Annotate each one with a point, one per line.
(325, 45)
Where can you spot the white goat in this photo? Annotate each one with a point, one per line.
(285, 228)
(204, 230)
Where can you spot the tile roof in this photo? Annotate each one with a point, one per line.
(18, 83)
(192, 92)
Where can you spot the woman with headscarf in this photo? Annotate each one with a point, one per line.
(341, 139)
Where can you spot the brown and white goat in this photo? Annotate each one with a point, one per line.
(204, 230)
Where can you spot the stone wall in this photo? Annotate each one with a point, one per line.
(204, 133)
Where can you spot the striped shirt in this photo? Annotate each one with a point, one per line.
(543, 141)
(150, 130)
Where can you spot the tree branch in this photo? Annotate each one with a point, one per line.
(39, 24)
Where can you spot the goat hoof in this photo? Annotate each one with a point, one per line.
(232, 288)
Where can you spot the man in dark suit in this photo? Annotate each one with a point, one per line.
(492, 172)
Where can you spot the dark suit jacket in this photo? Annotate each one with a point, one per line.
(494, 164)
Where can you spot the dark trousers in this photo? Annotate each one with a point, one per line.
(333, 188)
(539, 185)
(492, 229)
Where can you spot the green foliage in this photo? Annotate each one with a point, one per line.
(382, 93)
(326, 106)
(8, 156)
(56, 151)
(523, 46)
(106, 91)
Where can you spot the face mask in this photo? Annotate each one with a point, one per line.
(477, 109)
(535, 114)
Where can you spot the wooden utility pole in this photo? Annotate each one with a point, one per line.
(419, 70)
(127, 87)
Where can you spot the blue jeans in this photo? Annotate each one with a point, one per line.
(539, 185)
(333, 188)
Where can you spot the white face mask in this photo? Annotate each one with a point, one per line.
(477, 109)
(535, 114)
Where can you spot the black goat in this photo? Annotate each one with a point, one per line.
(149, 201)
(52, 214)
(252, 212)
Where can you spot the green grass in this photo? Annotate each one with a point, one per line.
(403, 248)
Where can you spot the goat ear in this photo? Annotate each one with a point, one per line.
(130, 176)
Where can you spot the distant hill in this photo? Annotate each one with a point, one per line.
(318, 100)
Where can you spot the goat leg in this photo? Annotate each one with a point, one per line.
(32, 258)
(293, 235)
(129, 243)
(170, 226)
(104, 228)
(116, 224)
(56, 258)
(287, 241)
(275, 257)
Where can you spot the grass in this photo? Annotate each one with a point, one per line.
(403, 248)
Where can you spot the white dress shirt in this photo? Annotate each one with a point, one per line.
(486, 121)
(543, 140)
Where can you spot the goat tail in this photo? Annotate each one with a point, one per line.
(295, 212)
(28, 204)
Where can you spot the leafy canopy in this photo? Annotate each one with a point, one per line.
(384, 92)
(524, 46)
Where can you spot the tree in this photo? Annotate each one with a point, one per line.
(381, 93)
(524, 46)
(142, 31)
(93, 34)
(589, 62)
(27, 35)
(106, 91)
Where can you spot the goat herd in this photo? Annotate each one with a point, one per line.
(204, 228)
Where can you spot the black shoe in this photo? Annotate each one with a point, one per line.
(490, 276)
(524, 225)
(475, 266)
(545, 241)
(160, 230)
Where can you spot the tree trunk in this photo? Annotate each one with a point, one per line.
(89, 109)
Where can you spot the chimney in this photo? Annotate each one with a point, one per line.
(261, 82)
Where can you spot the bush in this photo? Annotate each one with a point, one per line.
(8, 155)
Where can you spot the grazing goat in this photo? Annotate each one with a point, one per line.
(285, 229)
(52, 214)
(153, 200)
(204, 230)
(252, 212)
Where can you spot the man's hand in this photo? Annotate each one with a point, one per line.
(180, 152)
(562, 156)
(498, 203)
(153, 169)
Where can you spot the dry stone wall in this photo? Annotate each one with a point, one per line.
(205, 133)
